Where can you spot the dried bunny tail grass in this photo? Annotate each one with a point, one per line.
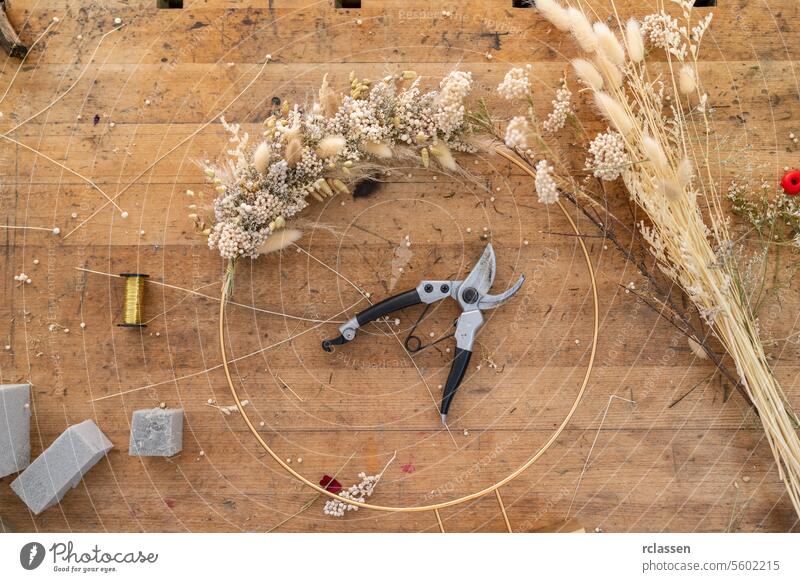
(328, 99)
(279, 240)
(588, 73)
(292, 133)
(687, 80)
(697, 349)
(581, 29)
(261, 157)
(685, 172)
(635, 40)
(655, 153)
(614, 112)
(442, 155)
(611, 72)
(670, 189)
(330, 146)
(294, 151)
(607, 43)
(377, 149)
(555, 14)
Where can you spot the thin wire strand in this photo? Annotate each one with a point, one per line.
(594, 442)
(25, 58)
(175, 147)
(71, 87)
(218, 366)
(211, 297)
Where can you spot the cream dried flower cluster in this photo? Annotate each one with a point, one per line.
(524, 130)
(546, 187)
(322, 150)
(562, 109)
(518, 131)
(661, 31)
(516, 84)
(359, 492)
(607, 156)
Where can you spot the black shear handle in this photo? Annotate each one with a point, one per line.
(457, 372)
(374, 312)
(388, 305)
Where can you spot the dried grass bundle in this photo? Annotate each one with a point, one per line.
(692, 249)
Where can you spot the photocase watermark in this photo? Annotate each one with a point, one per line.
(31, 555)
(66, 558)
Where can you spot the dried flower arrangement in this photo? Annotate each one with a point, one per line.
(358, 492)
(664, 162)
(656, 146)
(327, 149)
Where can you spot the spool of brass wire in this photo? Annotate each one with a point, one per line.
(134, 300)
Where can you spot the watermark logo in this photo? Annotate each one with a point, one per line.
(31, 555)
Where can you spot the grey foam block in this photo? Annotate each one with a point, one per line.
(156, 432)
(15, 428)
(61, 466)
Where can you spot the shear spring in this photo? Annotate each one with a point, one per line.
(414, 344)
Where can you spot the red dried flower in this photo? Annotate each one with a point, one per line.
(791, 183)
(330, 484)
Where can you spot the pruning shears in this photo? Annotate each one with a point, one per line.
(472, 295)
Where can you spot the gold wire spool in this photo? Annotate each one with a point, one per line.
(133, 307)
(472, 496)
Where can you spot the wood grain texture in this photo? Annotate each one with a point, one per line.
(699, 465)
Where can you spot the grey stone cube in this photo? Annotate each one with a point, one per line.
(61, 466)
(15, 428)
(156, 432)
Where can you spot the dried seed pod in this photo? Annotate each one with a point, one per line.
(323, 187)
(261, 157)
(339, 186)
(442, 154)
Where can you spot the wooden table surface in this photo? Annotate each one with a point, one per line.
(134, 113)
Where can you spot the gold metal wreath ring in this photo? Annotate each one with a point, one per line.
(492, 488)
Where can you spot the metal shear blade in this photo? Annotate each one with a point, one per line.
(474, 290)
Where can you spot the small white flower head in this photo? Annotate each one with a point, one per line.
(515, 85)
(454, 89)
(661, 31)
(517, 132)
(546, 187)
(562, 109)
(607, 156)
